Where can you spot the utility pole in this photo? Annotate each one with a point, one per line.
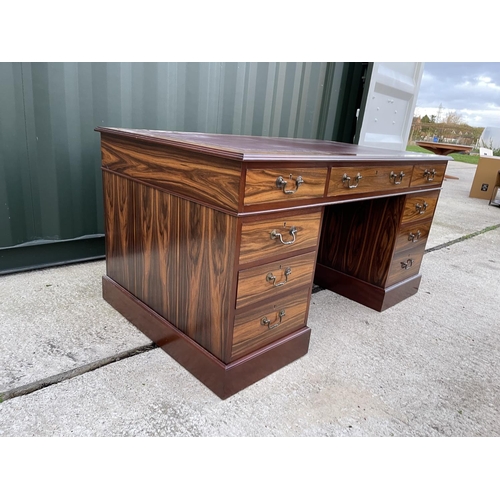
(438, 120)
(440, 110)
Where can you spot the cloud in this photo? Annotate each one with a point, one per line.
(470, 89)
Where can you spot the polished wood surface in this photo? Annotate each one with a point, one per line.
(216, 182)
(256, 148)
(372, 180)
(420, 206)
(412, 234)
(358, 239)
(261, 184)
(257, 241)
(289, 273)
(285, 315)
(213, 256)
(405, 264)
(172, 254)
(428, 175)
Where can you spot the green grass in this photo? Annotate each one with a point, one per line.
(473, 159)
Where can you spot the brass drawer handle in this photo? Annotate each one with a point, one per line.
(264, 321)
(421, 208)
(347, 179)
(276, 234)
(393, 177)
(429, 174)
(407, 264)
(414, 237)
(281, 184)
(271, 278)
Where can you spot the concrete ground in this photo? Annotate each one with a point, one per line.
(429, 366)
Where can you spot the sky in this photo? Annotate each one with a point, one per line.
(471, 89)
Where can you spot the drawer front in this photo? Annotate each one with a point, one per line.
(265, 282)
(352, 181)
(405, 264)
(431, 175)
(265, 324)
(420, 206)
(412, 235)
(276, 236)
(284, 184)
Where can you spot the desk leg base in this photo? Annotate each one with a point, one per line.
(223, 379)
(365, 293)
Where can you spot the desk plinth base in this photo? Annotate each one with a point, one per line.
(369, 295)
(223, 379)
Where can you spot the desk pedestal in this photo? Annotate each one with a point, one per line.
(370, 251)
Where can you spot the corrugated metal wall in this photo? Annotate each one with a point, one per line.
(50, 179)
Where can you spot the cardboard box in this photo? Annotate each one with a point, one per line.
(486, 177)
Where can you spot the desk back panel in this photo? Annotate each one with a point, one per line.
(358, 238)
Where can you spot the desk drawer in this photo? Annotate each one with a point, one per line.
(352, 181)
(430, 175)
(265, 324)
(405, 264)
(265, 282)
(412, 235)
(279, 235)
(284, 184)
(420, 206)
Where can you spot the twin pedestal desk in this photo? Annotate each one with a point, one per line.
(213, 242)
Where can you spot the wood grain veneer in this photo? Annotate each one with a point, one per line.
(412, 234)
(373, 179)
(254, 287)
(276, 149)
(261, 187)
(190, 219)
(420, 178)
(216, 182)
(257, 243)
(405, 264)
(420, 206)
(249, 331)
(357, 239)
(172, 254)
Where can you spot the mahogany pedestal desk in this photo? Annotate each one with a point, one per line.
(213, 242)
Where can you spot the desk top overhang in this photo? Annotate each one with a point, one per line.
(255, 148)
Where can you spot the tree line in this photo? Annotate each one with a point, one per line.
(452, 129)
